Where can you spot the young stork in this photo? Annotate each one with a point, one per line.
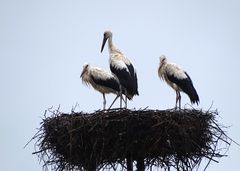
(102, 81)
(122, 68)
(178, 79)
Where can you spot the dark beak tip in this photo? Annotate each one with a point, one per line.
(103, 43)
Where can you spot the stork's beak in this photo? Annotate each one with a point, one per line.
(103, 43)
(82, 73)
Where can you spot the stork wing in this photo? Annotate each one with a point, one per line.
(107, 82)
(182, 82)
(185, 85)
(127, 78)
(122, 74)
(134, 78)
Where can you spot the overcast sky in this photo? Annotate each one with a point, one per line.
(44, 43)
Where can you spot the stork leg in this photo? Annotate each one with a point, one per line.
(179, 100)
(104, 101)
(122, 99)
(114, 101)
(176, 99)
(125, 101)
(120, 96)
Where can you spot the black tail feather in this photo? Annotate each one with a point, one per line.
(192, 93)
(186, 86)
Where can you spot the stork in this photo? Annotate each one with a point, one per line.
(122, 68)
(102, 81)
(178, 79)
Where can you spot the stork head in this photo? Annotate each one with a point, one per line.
(85, 69)
(163, 59)
(106, 36)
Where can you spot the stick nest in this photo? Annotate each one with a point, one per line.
(104, 139)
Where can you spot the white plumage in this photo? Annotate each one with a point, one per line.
(178, 79)
(101, 80)
(122, 68)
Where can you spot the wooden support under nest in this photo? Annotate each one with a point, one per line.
(118, 137)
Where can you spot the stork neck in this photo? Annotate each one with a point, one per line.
(162, 65)
(110, 44)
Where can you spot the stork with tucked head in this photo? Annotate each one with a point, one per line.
(122, 68)
(178, 79)
(101, 80)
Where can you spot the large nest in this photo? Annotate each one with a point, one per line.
(104, 139)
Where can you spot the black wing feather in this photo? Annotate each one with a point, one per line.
(186, 86)
(110, 83)
(134, 78)
(126, 79)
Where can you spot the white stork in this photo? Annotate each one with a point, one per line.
(122, 68)
(102, 81)
(178, 79)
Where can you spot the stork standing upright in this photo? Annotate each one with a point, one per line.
(122, 68)
(102, 81)
(178, 79)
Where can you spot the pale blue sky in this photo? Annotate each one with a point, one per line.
(44, 43)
